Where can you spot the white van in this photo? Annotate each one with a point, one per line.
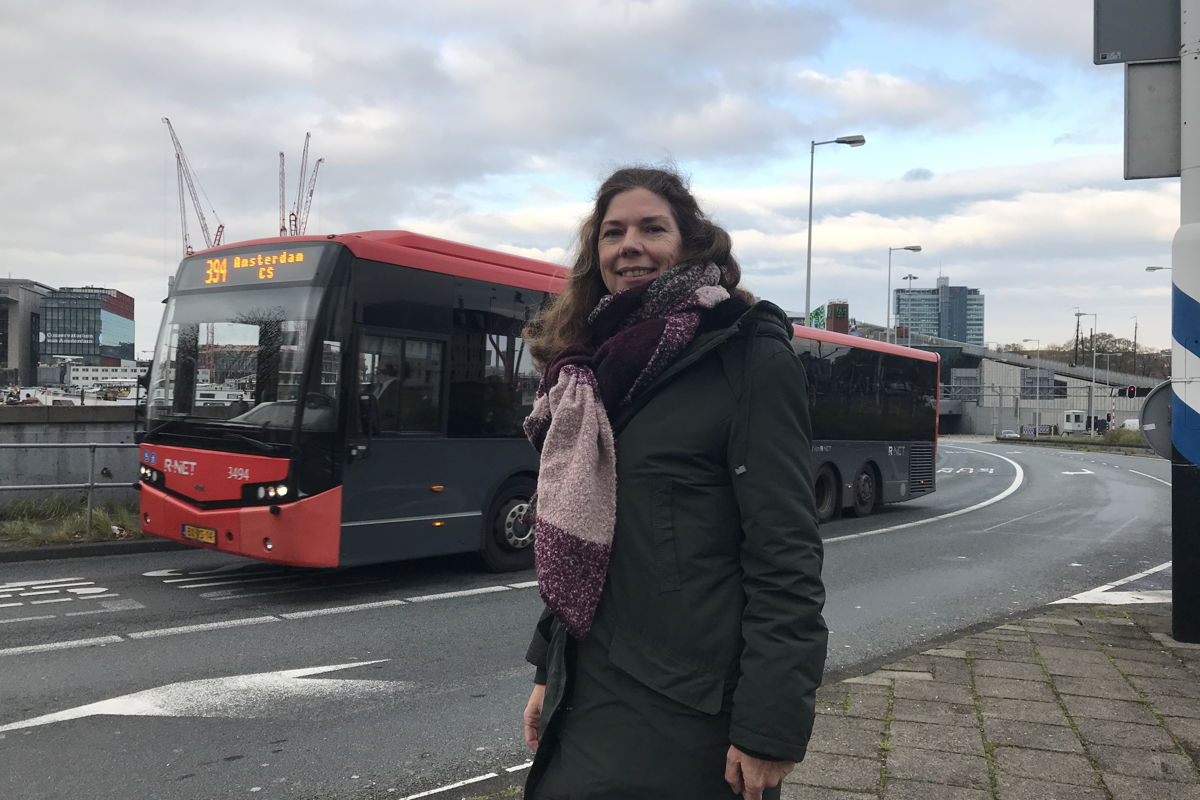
(1131, 424)
(1074, 422)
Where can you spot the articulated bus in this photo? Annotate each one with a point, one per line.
(874, 410)
(359, 398)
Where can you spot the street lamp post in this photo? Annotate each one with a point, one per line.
(908, 328)
(1037, 393)
(853, 141)
(1092, 396)
(916, 248)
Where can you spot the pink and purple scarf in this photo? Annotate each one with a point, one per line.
(636, 334)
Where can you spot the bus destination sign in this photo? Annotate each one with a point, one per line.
(259, 266)
(250, 267)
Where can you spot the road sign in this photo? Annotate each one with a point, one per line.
(1155, 419)
(1152, 119)
(1135, 30)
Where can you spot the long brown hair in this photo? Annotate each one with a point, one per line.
(563, 321)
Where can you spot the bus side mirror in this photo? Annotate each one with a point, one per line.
(368, 413)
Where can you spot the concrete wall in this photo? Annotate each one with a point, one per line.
(24, 425)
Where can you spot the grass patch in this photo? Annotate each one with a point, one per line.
(63, 519)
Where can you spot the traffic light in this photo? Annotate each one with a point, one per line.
(1131, 391)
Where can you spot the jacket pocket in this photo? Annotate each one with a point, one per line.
(670, 676)
(665, 557)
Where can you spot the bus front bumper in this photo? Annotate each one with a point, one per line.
(303, 533)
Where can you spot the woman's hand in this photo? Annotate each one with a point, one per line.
(748, 776)
(533, 715)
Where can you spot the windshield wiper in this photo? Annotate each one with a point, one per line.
(266, 447)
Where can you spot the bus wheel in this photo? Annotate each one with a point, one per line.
(825, 490)
(507, 539)
(866, 491)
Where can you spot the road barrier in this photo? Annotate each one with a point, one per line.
(91, 485)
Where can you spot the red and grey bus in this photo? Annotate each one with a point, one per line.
(330, 401)
(874, 410)
(352, 399)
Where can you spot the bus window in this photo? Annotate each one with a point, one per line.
(404, 374)
(492, 377)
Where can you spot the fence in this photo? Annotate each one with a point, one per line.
(91, 485)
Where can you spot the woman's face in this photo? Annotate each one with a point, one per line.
(639, 239)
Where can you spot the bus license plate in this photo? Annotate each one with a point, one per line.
(199, 534)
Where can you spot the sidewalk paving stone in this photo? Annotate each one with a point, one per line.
(1187, 731)
(1017, 690)
(932, 766)
(932, 711)
(946, 738)
(933, 690)
(1116, 689)
(1032, 734)
(1023, 710)
(1124, 734)
(1013, 788)
(1124, 787)
(1144, 763)
(793, 791)
(1057, 767)
(919, 790)
(1104, 708)
(1009, 669)
(847, 773)
(1166, 686)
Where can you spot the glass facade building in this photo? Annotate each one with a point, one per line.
(947, 312)
(20, 329)
(89, 323)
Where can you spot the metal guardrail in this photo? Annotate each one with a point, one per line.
(91, 485)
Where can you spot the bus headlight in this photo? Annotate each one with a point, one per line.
(267, 492)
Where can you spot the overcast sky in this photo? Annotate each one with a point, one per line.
(992, 139)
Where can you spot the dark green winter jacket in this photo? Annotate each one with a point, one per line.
(714, 595)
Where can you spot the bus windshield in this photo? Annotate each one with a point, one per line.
(239, 357)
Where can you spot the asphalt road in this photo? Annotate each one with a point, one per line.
(188, 674)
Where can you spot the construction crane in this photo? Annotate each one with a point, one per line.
(282, 220)
(296, 222)
(186, 176)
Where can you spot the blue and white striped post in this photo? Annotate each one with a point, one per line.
(1185, 346)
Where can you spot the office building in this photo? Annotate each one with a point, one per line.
(20, 328)
(89, 324)
(947, 312)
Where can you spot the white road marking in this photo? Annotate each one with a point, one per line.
(206, 626)
(67, 645)
(233, 697)
(448, 787)
(322, 612)
(1103, 595)
(1083, 472)
(519, 767)
(1012, 487)
(464, 593)
(26, 619)
(122, 605)
(1151, 477)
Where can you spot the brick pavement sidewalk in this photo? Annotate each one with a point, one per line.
(1080, 703)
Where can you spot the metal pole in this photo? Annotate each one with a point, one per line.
(91, 481)
(1037, 422)
(1185, 332)
(887, 335)
(812, 160)
(1092, 391)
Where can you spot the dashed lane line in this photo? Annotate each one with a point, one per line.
(236, 623)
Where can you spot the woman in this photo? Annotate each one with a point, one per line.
(676, 534)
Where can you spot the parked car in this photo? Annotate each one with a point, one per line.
(1009, 435)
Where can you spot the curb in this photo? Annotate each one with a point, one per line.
(88, 549)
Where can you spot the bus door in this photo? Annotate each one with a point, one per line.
(395, 498)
